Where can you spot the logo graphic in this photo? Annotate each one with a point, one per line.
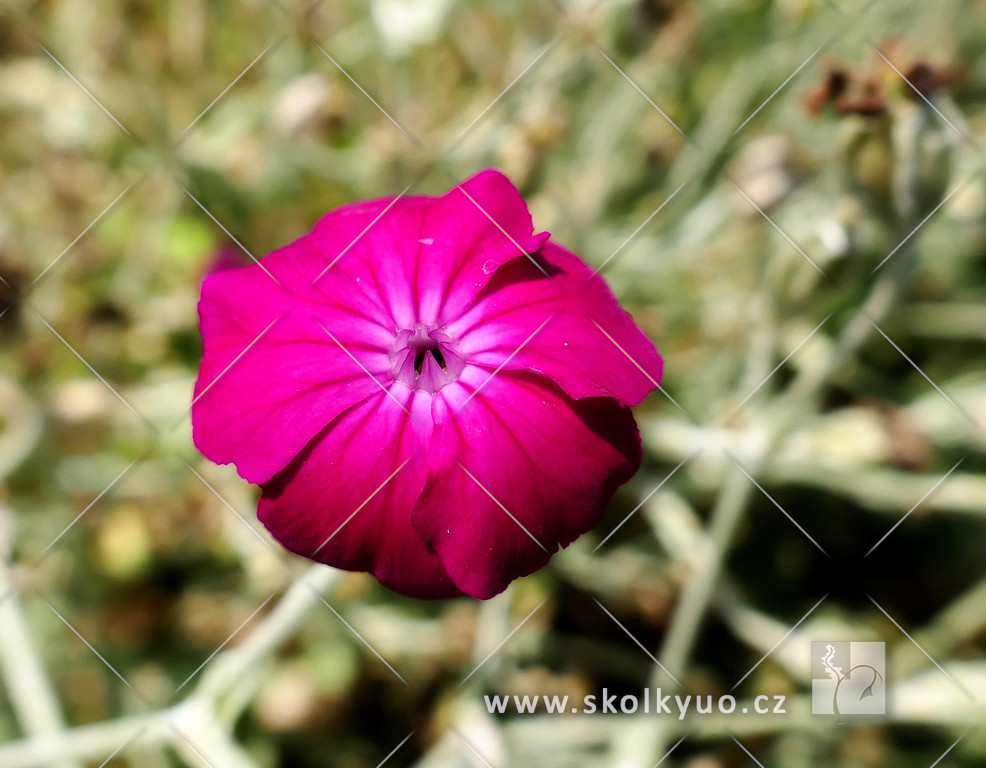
(848, 678)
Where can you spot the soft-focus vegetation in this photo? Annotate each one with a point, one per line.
(806, 249)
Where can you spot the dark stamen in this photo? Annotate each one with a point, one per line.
(419, 357)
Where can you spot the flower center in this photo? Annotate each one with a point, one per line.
(425, 358)
(422, 352)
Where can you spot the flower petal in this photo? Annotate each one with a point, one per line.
(518, 471)
(428, 257)
(568, 327)
(274, 371)
(474, 228)
(346, 500)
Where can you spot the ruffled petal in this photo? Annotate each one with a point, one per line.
(471, 231)
(518, 471)
(279, 361)
(346, 500)
(567, 326)
(428, 257)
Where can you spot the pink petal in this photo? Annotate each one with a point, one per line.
(568, 327)
(272, 376)
(551, 462)
(346, 500)
(429, 257)
(475, 227)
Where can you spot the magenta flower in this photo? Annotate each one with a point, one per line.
(425, 389)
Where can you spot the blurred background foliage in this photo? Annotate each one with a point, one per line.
(821, 231)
